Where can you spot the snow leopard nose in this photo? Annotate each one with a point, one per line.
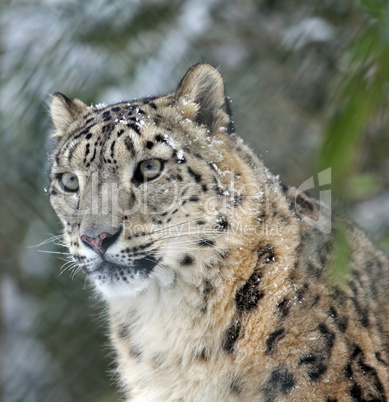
(100, 243)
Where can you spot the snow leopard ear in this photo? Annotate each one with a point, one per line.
(64, 111)
(201, 96)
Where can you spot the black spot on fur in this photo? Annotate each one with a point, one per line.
(221, 223)
(304, 203)
(248, 296)
(338, 295)
(149, 144)
(315, 366)
(332, 312)
(134, 127)
(206, 242)
(235, 386)
(195, 175)
(93, 156)
(83, 132)
(357, 368)
(379, 358)
(106, 115)
(284, 187)
(362, 312)
(193, 198)
(206, 291)
(208, 288)
(301, 291)
(280, 383)
(283, 307)
(231, 336)
(284, 219)
(176, 177)
(340, 321)
(219, 191)
(107, 128)
(329, 337)
(187, 260)
(317, 371)
(129, 145)
(261, 217)
(308, 359)
(224, 253)
(272, 340)
(237, 200)
(160, 138)
(266, 254)
(203, 355)
(113, 148)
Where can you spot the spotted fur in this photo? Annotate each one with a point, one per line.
(217, 289)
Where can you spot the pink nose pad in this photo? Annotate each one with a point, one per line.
(102, 242)
(96, 244)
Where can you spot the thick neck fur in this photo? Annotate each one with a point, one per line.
(164, 333)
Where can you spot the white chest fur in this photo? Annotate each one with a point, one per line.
(168, 348)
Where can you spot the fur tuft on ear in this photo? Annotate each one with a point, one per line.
(64, 111)
(203, 86)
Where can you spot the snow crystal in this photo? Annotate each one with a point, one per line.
(169, 141)
(180, 156)
(122, 121)
(97, 106)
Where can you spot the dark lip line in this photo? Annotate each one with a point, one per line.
(151, 262)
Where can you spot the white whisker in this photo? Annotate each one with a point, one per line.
(67, 266)
(54, 252)
(57, 240)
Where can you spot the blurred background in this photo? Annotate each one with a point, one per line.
(309, 88)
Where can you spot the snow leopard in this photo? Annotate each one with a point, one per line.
(219, 285)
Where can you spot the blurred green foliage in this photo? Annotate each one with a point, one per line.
(308, 82)
(361, 94)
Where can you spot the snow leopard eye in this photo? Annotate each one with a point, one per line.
(150, 169)
(69, 182)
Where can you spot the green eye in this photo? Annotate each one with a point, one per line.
(69, 182)
(150, 169)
